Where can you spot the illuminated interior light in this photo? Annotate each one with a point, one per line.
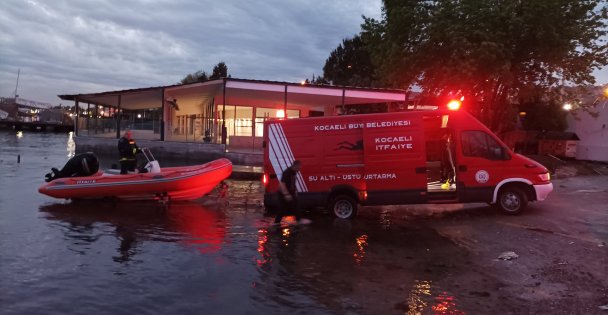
(444, 121)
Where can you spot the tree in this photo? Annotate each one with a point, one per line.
(317, 80)
(549, 116)
(219, 71)
(495, 53)
(198, 76)
(349, 64)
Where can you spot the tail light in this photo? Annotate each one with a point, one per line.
(363, 195)
(264, 179)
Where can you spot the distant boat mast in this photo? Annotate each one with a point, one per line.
(17, 86)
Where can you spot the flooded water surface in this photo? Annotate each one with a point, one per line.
(210, 256)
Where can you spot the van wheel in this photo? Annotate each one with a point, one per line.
(343, 207)
(511, 200)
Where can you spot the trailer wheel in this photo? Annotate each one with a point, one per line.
(512, 200)
(343, 207)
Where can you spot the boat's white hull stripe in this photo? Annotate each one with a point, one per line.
(137, 182)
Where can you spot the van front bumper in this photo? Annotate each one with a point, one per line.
(542, 191)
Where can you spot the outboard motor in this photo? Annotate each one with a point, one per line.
(83, 164)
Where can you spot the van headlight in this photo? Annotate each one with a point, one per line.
(545, 177)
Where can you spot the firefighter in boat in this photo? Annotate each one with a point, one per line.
(127, 149)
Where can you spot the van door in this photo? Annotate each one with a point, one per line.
(482, 163)
(395, 163)
(440, 159)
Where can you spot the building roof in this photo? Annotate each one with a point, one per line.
(242, 92)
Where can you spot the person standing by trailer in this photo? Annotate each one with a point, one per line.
(127, 149)
(288, 194)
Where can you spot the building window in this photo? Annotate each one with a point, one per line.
(262, 114)
(239, 120)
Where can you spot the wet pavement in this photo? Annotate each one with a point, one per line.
(222, 256)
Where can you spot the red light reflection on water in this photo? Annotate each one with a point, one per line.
(360, 251)
(421, 297)
(263, 238)
(262, 248)
(446, 304)
(285, 233)
(206, 230)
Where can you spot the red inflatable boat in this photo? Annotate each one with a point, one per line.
(168, 183)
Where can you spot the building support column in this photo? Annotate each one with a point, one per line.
(77, 108)
(96, 118)
(119, 116)
(88, 119)
(162, 114)
(224, 130)
(343, 102)
(285, 102)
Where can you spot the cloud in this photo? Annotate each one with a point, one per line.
(70, 46)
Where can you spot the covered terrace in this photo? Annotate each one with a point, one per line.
(226, 112)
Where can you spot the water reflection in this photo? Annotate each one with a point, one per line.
(265, 257)
(71, 148)
(350, 269)
(385, 219)
(446, 304)
(421, 296)
(273, 244)
(130, 224)
(308, 267)
(417, 299)
(360, 251)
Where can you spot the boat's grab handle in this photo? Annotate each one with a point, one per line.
(148, 154)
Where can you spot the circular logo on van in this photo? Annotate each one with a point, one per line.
(482, 176)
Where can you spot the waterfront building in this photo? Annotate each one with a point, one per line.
(217, 117)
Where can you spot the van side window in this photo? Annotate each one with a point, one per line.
(480, 144)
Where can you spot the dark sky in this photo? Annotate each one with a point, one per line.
(77, 46)
(80, 46)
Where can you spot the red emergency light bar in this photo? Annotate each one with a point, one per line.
(455, 104)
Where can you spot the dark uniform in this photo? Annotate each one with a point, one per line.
(127, 149)
(288, 206)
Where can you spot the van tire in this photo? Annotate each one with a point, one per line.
(343, 207)
(511, 200)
